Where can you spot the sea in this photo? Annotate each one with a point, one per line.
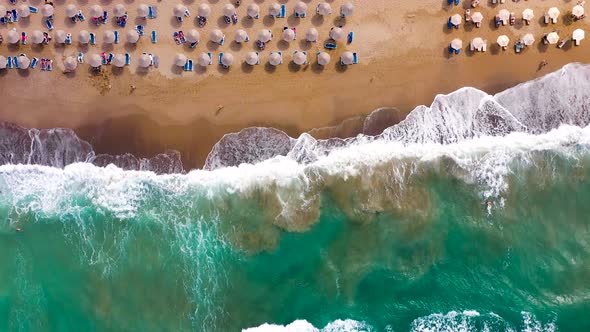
(472, 214)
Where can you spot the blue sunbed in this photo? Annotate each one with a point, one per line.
(330, 46)
(81, 16)
(15, 61)
(156, 61)
(80, 57)
(179, 18)
(92, 38)
(154, 36)
(350, 37)
(451, 49)
(210, 58)
(110, 58)
(127, 59)
(186, 66)
(14, 16)
(281, 54)
(49, 24)
(302, 15)
(222, 41)
(2, 20)
(105, 16)
(9, 62)
(23, 38)
(194, 44)
(116, 36)
(152, 12)
(457, 2)
(355, 59)
(104, 60)
(68, 40)
(139, 29)
(190, 65)
(49, 67)
(34, 63)
(220, 58)
(33, 9)
(283, 12)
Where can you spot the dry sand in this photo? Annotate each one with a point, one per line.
(404, 62)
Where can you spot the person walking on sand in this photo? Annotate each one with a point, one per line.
(543, 64)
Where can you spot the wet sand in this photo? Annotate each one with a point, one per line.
(404, 62)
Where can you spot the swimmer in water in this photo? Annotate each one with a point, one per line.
(19, 229)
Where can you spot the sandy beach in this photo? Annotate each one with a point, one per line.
(402, 47)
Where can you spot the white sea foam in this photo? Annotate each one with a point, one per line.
(348, 325)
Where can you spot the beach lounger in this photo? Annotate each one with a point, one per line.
(34, 63)
(110, 58)
(220, 58)
(127, 59)
(189, 65)
(330, 46)
(355, 59)
(116, 36)
(14, 16)
(9, 62)
(154, 37)
(49, 63)
(156, 61)
(80, 57)
(210, 58)
(300, 15)
(485, 46)
(92, 38)
(152, 13)
(457, 2)
(15, 61)
(49, 24)
(350, 37)
(104, 58)
(2, 20)
(257, 61)
(179, 18)
(33, 10)
(23, 38)
(43, 64)
(81, 16)
(222, 40)
(140, 29)
(68, 40)
(194, 44)
(281, 54)
(105, 16)
(283, 12)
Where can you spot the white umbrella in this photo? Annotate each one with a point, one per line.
(2, 14)
(119, 10)
(193, 36)
(23, 11)
(23, 62)
(108, 36)
(229, 9)
(71, 10)
(3, 62)
(132, 36)
(528, 14)
(118, 60)
(253, 10)
(204, 10)
(300, 8)
(275, 59)
(179, 10)
(12, 37)
(456, 19)
(144, 61)
(346, 9)
(578, 34)
(578, 11)
(553, 13)
(311, 35)
(47, 10)
(60, 36)
(203, 59)
(216, 35)
(227, 59)
(347, 58)
(456, 44)
(180, 60)
(477, 17)
(143, 10)
(324, 8)
(94, 60)
(240, 36)
(336, 33)
(528, 39)
(323, 58)
(477, 43)
(37, 37)
(503, 40)
(70, 64)
(96, 11)
(251, 58)
(274, 9)
(299, 58)
(553, 38)
(83, 37)
(288, 35)
(264, 35)
(504, 14)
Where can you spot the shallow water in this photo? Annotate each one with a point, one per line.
(378, 236)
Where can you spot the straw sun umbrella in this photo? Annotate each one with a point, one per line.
(275, 59)
(95, 11)
(324, 9)
(193, 36)
(71, 10)
(252, 58)
(578, 35)
(552, 38)
(180, 60)
(23, 62)
(578, 11)
(528, 14)
(264, 35)
(132, 36)
(143, 10)
(240, 36)
(311, 35)
(456, 44)
(347, 58)
(253, 10)
(336, 33)
(229, 9)
(70, 64)
(216, 36)
(119, 10)
(300, 8)
(144, 61)
(503, 41)
(477, 17)
(12, 37)
(323, 58)
(203, 59)
(108, 37)
(504, 15)
(528, 39)
(204, 10)
(94, 60)
(456, 19)
(60, 36)
(23, 11)
(274, 9)
(3, 62)
(346, 9)
(227, 59)
(179, 10)
(83, 37)
(288, 35)
(37, 37)
(118, 60)
(47, 10)
(299, 58)
(477, 43)
(553, 13)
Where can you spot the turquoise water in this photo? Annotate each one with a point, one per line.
(370, 239)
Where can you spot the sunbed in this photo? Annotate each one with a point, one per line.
(104, 58)
(68, 40)
(154, 37)
(110, 58)
(81, 16)
(281, 54)
(34, 63)
(127, 59)
(221, 58)
(15, 61)
(49, 24)
(189, 65)
(350, 37)
(139, 29)
(210, 58)
(9, 62)
(194, 44)
(23, 38)
(330, 46)
(33, 9)
(14, 16)
(49, 66)
(302, 15)
(179, 18)
(355, 59)
(92, 38)
(283, 11)
(156, 61)
(258, 58)
(116, 33)
(222, 40)
(43, 64)
(80, 57)
(152, 12)
(105, 16)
